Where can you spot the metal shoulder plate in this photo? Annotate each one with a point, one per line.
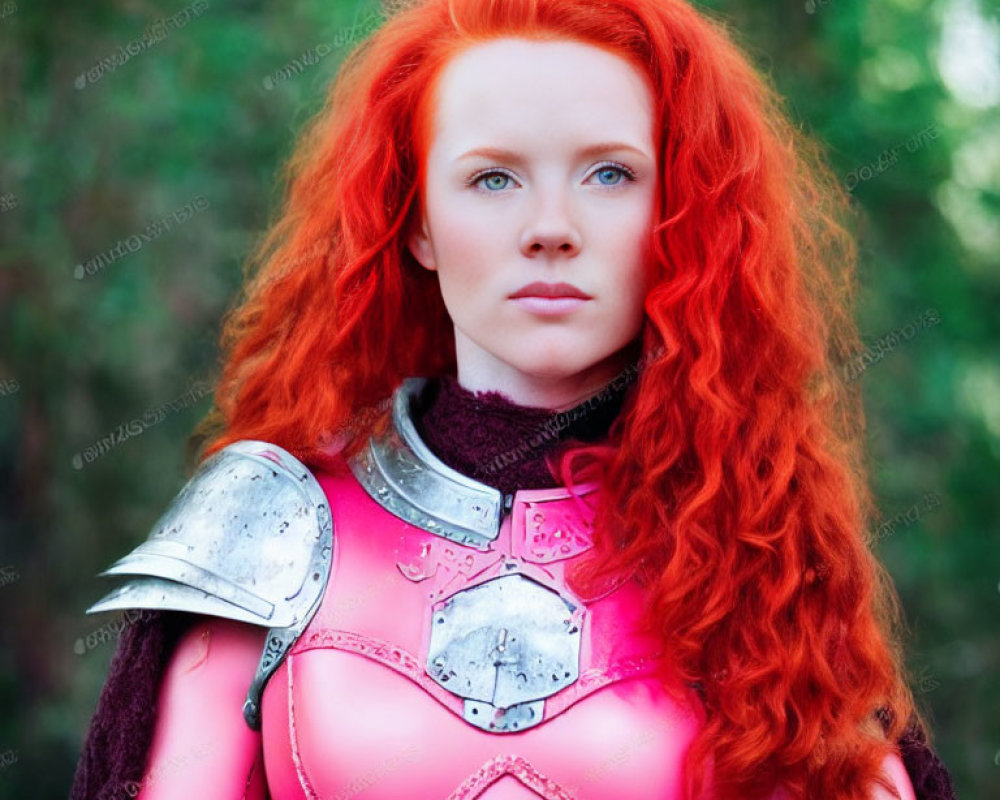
(249, 537)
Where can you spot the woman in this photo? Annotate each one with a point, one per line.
(611, 524)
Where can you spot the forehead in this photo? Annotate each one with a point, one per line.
(510, 88)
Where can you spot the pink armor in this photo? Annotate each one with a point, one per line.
(356, 676)
(446, 659)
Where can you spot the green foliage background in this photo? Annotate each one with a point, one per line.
(212, 110)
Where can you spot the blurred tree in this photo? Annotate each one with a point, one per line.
(130, 194)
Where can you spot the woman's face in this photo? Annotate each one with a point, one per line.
(541, 170)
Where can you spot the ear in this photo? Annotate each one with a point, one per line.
(419, 242)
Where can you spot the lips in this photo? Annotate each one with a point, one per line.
(539, 289)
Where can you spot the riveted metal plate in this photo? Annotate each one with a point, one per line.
(402, 474)
(505, 644)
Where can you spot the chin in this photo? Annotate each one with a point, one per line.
(557, 363)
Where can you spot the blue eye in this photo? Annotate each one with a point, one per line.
(612, 170)
(495, 180)
(486, 177)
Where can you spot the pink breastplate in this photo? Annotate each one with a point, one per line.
(434, 669)
(448, 659)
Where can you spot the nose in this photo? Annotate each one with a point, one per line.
(550, 229)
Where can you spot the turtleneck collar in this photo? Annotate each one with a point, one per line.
(489, 438)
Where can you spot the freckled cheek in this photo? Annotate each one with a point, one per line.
(622, 226)
(633, 264)
(634, 237)
(469, 269)
(470, 247)
(463, 219)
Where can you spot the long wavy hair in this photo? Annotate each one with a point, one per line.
(734, 480)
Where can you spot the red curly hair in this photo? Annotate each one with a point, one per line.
(735, 487)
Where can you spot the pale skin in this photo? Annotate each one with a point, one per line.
(561, 215)
(545, 209)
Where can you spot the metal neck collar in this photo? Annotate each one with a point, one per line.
(401, 473)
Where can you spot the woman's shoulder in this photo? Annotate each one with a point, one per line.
(247, 538)
(220, 647)
(246, 545)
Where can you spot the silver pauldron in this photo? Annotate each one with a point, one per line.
(249, 537)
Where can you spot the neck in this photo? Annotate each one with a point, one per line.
(492, 439)
(549, 392)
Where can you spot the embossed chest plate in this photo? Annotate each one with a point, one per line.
(504, 633)
(462, 592)
(504, 646)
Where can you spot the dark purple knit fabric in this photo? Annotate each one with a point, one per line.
(487, 437)
(928, 774)
(484, 436)
(114, 754)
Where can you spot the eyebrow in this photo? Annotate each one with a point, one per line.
(499, 154)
